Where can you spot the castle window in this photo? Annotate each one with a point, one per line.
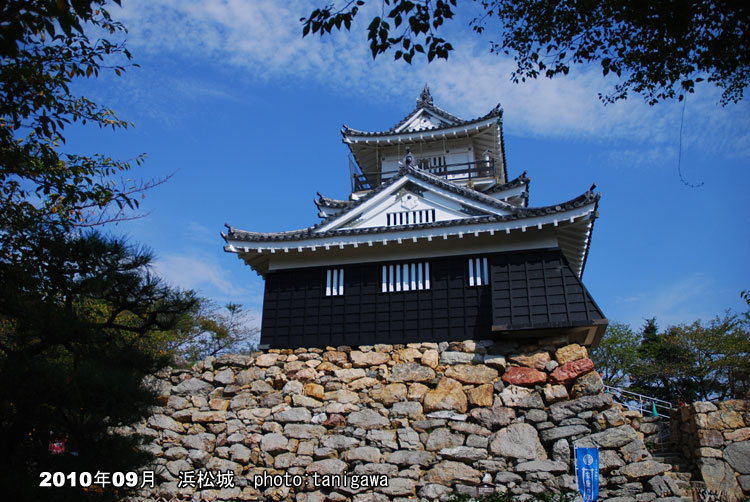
(478, 272)
(334, 282)
(405, 277)
(435, 164)
(410, 217)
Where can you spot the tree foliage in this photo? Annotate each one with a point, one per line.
(658, 49)
(44, 49)
(687, 362)
(78, 311)
(617, 354)
(208, 330)
(74, 314)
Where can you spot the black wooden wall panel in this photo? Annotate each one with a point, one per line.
(296, 312)
(538, 290)
(528, 290)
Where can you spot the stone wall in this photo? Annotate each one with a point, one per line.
(655, 431)
(425, 418)
(715, 440)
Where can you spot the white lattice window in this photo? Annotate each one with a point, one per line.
(405, 277)
(334, 282)
(478, 272)
(410, 217)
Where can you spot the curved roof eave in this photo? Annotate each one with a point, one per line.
(328, 202)
(521, 180)
(355, 136)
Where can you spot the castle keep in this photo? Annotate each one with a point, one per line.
(433, 244)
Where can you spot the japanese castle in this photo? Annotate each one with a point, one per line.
(434, 243)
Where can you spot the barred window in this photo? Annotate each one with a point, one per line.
(334, 282)
(478, 272)
(405, 277)
(410, 217)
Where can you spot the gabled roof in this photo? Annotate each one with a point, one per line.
(417, 174)
(310, 232)
(496, 113)
(491, 215)
(425, 106)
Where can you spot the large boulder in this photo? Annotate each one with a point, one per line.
(571, 370)
(448, 395)
(442, 438)
(570, 352)
(367, 419)
(327, 467)
(298, 415)
(266, 360)
(719, 476)
(410, 457)
(537, 360)
(448, 472)
(518, 441)
(587, 385)
(521, 375)
(411, 372)
(471, 373)
(614, 437)
(514, 396)
(642, 470)
(363, 359)
(481, 395)
(495, 417)
(738, 456)
(389, 394)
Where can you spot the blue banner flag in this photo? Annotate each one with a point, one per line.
(587, 472)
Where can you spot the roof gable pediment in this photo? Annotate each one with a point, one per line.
(413, 198)
(422, 119)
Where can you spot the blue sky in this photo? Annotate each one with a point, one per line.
(247, 114)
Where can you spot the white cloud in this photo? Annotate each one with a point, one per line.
(682, 301)
(201, 274)
(200, 234)
(264, 37)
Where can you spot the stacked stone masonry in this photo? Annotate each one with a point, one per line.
(715, 439)
(430, 418)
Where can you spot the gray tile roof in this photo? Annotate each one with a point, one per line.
(516, 213)
(495, 112)
(323, 201)
(517, 182)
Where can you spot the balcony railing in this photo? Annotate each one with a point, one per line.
(463, 171)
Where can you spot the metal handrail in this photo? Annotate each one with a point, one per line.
(640, 402)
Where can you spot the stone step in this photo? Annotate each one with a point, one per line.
(682, 469)
(668, 457)
(684, 486)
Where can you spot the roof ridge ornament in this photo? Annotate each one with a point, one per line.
(408, 159)
(425, 98)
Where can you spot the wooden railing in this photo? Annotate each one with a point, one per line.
(452, 172)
